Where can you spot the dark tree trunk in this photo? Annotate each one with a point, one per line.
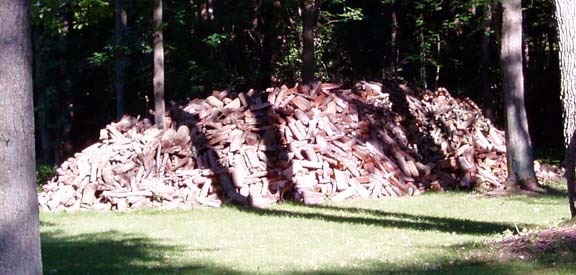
(566, 17)
(270, 43)
(19, 224)
(158, 81)
(260, 36)
(393, 65)
(267, 59)
(570, 163)
(518, 148)
(308, 24)
(120, 23)
(41, 102)
(485, 67)
(65, 89)
(423, 77)
(63, 145)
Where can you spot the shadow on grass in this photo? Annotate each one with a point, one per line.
(46, 223)
(554, 191)
(472, 267)
(469, 258)
(114, 252)
(388, 219)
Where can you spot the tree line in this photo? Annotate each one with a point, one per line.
(95, 55)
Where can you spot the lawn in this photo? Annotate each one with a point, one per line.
(441, 233)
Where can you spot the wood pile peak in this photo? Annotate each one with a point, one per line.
(308, 144)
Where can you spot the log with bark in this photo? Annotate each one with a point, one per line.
(257, 148)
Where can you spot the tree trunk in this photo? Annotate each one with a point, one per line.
(41, 102)
(570, 163)
(159, 109)
(65, 90)
(423, 78)
(393, 64)
(19, 224)
(259, 35)
(485, 67)
(518, 147)
(270, 43)
(308, 11)
(120, 23)
(438, 66)
(566, 17)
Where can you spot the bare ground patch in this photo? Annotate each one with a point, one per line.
(547, 245)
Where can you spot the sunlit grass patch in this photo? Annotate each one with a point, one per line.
(440, 233)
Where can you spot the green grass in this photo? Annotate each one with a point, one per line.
(434, 233)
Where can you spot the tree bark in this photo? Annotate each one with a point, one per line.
(120, 23)
(423, 77)
(64, 145)
(158, 81)
(19, 224)
(518, 147)
(393, 63)
(270, 43)
(566, 18)
(438, 66)
(485, 67)
(308, 24)
(41, 102)
(570, 163)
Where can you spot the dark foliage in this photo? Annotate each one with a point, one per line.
(239, 45)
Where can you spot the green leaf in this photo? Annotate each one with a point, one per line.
(216, 39)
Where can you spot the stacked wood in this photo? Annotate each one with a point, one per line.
(372, 141)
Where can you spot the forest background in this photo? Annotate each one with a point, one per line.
(93, 59)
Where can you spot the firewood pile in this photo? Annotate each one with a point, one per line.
(304, 143)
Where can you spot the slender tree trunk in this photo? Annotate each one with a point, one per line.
(158, 81)
(438, 66)
(393, 64)
(64, 145)
(19, 224)
(41, 101)
(423, 77)
(308, 13)
(120, 23)
(258, 35)
(518, 147)
(56, 145)
(460, 66)
(566, 17)
(570, 163)
(486, 57)
(270, 30)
